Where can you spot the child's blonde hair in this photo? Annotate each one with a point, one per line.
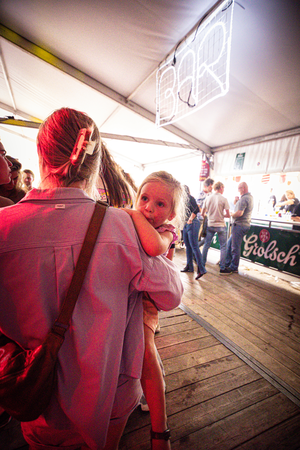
(178, 192)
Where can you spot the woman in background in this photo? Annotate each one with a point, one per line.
(190, 236)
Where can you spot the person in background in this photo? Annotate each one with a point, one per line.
(190, 237)
(241, 225)
(27, 180)
(295, 217)
(5, 175)
(272, 199)
(214, 206)
(129, 180)
(207, 189)
(290, 203)
(111, 184)
(13, 190)
(160, 199)
(100, 362)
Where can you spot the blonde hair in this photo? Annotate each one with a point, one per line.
(289, 191)
(179, 195)
(218, 185)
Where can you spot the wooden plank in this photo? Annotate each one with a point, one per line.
(195, 358)
(237, 428)
(261, 338)
(211, 285)
(166, 321)
(284, 317)
(280, 294)
(173, 313)
(265, 331)
(181, 327)
(246, 306)
(238, 283)
(264, 321)
(178, 349)
(252, 277)
(201, 415)
(208, 412)
(284, 436)
(194, 374)
(219, 322)
(208, 388)
(215, 402)
(178, 336)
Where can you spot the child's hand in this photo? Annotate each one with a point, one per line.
(129, 211)
(134, 213)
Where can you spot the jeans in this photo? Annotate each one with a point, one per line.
(190, 237)
(234, 246)
(222, 235)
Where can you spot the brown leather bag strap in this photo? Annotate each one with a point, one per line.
(62, 323)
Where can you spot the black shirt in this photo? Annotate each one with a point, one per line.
(191, 207)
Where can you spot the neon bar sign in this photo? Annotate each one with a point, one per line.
(198, 71)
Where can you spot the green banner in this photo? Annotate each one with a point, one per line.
(271, 247)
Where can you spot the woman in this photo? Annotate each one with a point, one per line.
(5, 175)
(190, 237)
(100, 362)
(290, 203)
(13, 190)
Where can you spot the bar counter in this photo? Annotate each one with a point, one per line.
(271, 242)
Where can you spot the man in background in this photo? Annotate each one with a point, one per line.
(207, 189)
(241, 225)
(27, 180)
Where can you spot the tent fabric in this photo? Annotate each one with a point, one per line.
(111, 50)
(278, 155)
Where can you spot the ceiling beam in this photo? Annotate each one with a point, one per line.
(257, 140)
(58, 63)
(34, 124)
(17, 112)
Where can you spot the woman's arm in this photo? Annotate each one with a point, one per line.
(153, 243)
(287, 202)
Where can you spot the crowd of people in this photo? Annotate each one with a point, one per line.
(20, 182)
(108, 364)
(214, 208)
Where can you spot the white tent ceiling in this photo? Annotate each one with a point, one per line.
(101, 56)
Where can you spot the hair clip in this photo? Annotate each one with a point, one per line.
(90, 147)
(83, 136)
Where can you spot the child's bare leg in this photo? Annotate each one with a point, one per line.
(153, 387)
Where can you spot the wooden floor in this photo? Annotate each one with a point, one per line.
(231, 354)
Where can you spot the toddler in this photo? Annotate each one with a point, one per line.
(160, 199)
